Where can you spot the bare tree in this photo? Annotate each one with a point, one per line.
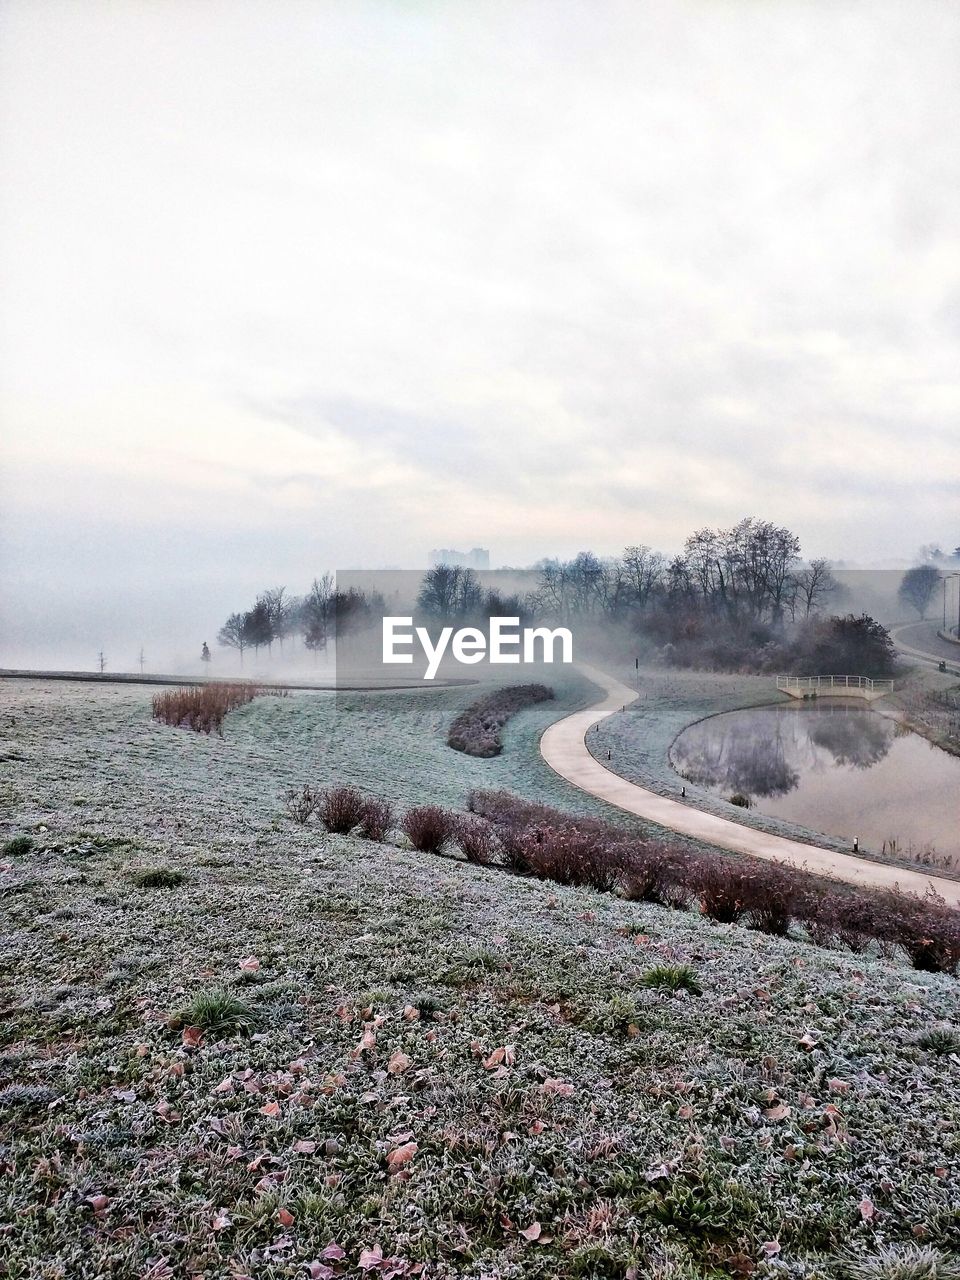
(644, 572)
(813, 587)
(101, 661)
(917, 587)
(450, 591)
(235, 633)
(317, 613)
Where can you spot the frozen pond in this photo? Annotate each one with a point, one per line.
(833, 767)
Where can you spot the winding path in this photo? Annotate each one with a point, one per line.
(565, 751)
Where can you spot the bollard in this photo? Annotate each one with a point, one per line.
(856, 844)
(683, 792)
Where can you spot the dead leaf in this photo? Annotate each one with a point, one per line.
(222, 1220)
(504, 1055)
(779, 1112)
(305, 1146)
(370, 1258)
(532, 1232)
(285, 1217)
(250, 965)
(192, 1037)
(398, 1063)
(270, 1109)
(557, 1088)
(401, 1156)
(867, 1209)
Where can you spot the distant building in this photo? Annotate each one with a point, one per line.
(478, 558)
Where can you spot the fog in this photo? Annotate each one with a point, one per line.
(293, 287)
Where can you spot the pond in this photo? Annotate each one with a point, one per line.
(835, 767)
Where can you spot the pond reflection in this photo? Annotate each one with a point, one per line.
(835, 767)
(762, 752)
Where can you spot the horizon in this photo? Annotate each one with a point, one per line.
(281, 292)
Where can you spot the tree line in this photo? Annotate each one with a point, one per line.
(278, 616)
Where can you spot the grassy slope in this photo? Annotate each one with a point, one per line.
(670, 1153)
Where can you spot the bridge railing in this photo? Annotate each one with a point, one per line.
(817, 683)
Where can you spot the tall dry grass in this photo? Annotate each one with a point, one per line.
(203, 707)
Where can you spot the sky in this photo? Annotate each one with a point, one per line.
(290, 287)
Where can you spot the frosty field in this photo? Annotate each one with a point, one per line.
(448, 1071)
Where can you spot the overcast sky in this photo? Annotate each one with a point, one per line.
(290, 287)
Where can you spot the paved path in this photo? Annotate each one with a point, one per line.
(565, 751)
(920, 640)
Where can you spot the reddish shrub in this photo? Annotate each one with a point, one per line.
(376, 819)
(513, 848)
(476, 838)
(428, 827)
(926, 928)
(476, 730)
(571, 856)
(341, 809)
(573, 850)
(654, 873)
(723, 891)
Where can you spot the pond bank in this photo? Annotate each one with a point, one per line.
(636, 745)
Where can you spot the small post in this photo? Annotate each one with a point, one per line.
(683, 793)
(608, 753)
(856, 844)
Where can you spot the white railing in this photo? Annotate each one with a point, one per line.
(817, 683)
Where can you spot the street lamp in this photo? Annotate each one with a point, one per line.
(945, 577)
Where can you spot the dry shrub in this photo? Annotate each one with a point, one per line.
(203, 707)
(376, 819)
(513, 848)
(301, 804)
(654, 873)
(476, 839)
(926, 928)
(722, 891)
(428, 827)
(569, 855)
(340, 809)
(476, 730)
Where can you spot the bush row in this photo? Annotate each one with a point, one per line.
(476, 730)
(765, 895)
(532, 839)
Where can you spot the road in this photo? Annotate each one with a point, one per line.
(564, 749)
(920, 640)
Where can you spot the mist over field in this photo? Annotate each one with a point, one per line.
(291, 288)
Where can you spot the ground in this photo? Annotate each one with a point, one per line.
(447, 1066)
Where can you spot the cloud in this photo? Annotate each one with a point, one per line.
(370, 278)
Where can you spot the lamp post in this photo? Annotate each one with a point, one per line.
(945, 577)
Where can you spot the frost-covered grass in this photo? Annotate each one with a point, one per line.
(464, 1071)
